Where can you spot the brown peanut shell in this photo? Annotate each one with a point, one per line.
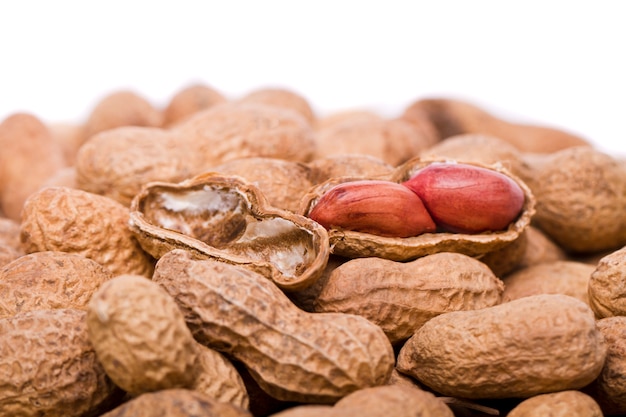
(282, 182)
(349, 165)
(189, 101)
(143, 343)
(48, 280)
(609, 389)
(401, 297)
(533, 345)
(606, 286)
(225, 218)
(75, 221)
(283, 98)
(116, 163)
(361, 245)
(291, 354)
(48, 367)
(559, 277)
(176, 402)
(558, 404)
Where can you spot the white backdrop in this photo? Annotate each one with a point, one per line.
(558, 63)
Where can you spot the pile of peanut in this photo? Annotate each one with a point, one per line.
(247, 256)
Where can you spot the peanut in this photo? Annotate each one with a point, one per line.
(454, 117)
(47, 280)
(609, 389)
(463, 198)
(48, 366)
(189, 101)
(75, 221)
(176, 402)
(382, 208)
(606, 285)
(558, 404)
(282, 98)
(141, 339)
(559, 277)
(401, 297)
(291, 354)
(530, 346)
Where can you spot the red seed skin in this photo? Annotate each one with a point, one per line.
(382, 208)
(468, 199)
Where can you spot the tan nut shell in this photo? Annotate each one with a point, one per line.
(361, 245)
(116, 163)
(7, 254)
(533, 345)
(190, 100)
(228, 219)
(293, 355)
(609, 389)
(48, 366)
(229, 131)
(349, 165)
(176, 402)
(558, 277)
(283, 98)
(75, 221)
(143, 343)
(401, 297)
(606, 286)
(558, 404)
(282, 182)
(48, 280)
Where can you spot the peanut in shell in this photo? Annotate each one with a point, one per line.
(48, 367)
(533, 345)
(291, 354)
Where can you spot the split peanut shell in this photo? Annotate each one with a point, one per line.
(227, 219)
(353, 244)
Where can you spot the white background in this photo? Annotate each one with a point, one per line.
(557, 63)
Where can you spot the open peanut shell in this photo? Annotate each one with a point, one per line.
(225, 218)
(353, 244)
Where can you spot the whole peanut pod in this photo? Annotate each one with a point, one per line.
(48, 367)
(140, 337)
(400, 297)
(558, 404)
(176, 402)
(382, 208)
(293, 355)
(464, 198)
(533, 345)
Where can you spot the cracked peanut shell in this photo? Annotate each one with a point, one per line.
(225, 218)
(353, 244)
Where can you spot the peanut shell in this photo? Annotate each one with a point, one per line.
(606, 285)
(360, 245)
(176, 402)
(291, 354)
(558, 404)
(48, 367)
(189, 101)
(533, 345)
(8, 254)
(609, 389)
(580, 195)
(401, 297)
(121, 108)
(141, 339)
(350, 165)
(75, 221)
(228, 219)
(229, 131)
(282, 182)
(49, 280)
(28, 158)
(282, 98)
(116, 163)
(559, 277)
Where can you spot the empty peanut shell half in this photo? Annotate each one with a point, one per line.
(355, 244)
(228, 219)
